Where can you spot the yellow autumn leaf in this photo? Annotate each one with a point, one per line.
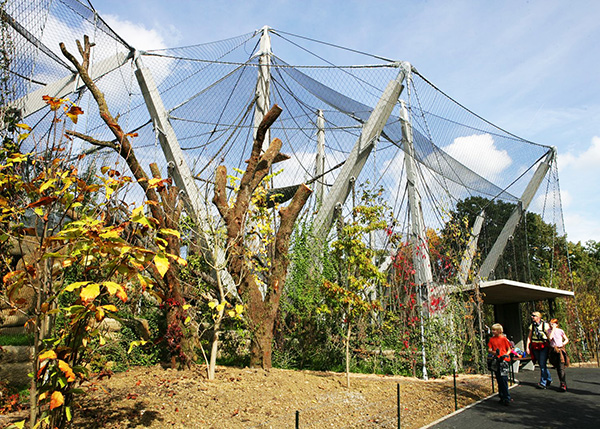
(116, 289)
(50, 354)
(42, 396)
(212, 304)
(75, 285)
(231, 313)
(239, 308)
(177, 259)
(111, 233)
(220, 307)
(162, 264)
(23, 127)
(137, 215)
(66, 369)
(154, 181)
(56, 400)
(144, 281)
(169, 231)
(110, 307)
(90, 292)
(47, 185)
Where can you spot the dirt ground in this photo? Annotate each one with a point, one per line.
(249, 398)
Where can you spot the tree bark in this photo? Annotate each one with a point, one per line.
(261, 312)
(165, 207)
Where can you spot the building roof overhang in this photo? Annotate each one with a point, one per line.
(509, 291)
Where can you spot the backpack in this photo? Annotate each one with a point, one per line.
(536, 334)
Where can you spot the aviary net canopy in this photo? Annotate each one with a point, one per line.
(209, 91)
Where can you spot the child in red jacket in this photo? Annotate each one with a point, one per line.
(500, 347)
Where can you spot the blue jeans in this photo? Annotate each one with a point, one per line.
(541, 356)
(502, 386)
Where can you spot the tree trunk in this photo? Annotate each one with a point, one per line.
(348, 354)
(166, 210)
(214, 347)
(261, 344)
(261, 311)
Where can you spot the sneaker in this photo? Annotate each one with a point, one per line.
(563, 387)
(540, 386)
(506, 403)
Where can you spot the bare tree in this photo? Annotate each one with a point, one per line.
(261, 306)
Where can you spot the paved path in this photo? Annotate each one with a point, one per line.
(578, 408)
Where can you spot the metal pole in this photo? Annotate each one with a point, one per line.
(359, 154)
(455, 393)
(297, 419)
(320, 168)
(491, 260)
(263, 84)
(398, 400)
(492, 382)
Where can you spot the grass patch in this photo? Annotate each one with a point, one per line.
(16, 340)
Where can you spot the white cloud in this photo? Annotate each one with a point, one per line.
(135, 34)
(582, 227)
(586, 162)
(479, 153)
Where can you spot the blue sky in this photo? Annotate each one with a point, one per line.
(530, 67)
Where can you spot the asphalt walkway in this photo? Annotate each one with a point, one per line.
(579, 407)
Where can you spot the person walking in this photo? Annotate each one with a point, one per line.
(539, 346)
(500, 348)
(558, 354)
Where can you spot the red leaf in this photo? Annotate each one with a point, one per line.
(44, 201)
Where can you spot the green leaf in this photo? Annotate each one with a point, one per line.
(68, 413)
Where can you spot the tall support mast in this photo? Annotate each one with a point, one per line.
(320, 161)
(467, 259)
(418, 235)
(178, 167)
(263, 83)
(489, 265)
(420, 247)
(357, 158)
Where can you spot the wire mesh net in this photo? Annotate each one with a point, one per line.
(209, 92)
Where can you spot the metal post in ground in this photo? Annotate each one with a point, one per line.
(455, 393)
(492, 382)
(398, 400)
(297, 419)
